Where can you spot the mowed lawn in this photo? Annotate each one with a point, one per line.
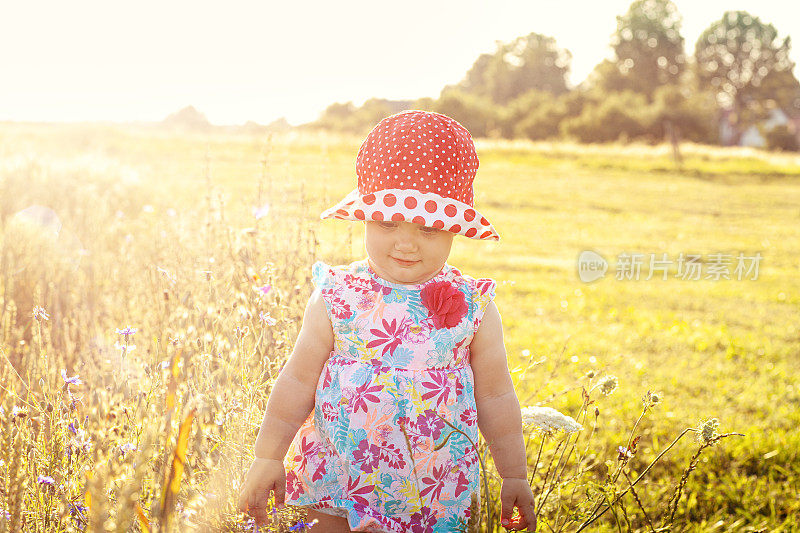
(725, 348)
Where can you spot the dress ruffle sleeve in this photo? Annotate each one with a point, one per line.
(322, 275)
(329, 282)
(483, 293)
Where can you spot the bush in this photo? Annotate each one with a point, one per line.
(782, 139)
(623, 115)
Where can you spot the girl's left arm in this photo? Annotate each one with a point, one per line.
(499, 414)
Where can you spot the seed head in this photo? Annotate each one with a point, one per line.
(607, 385)
(651, 399)
(708, 431)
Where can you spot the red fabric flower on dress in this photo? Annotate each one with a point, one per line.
(446, 304)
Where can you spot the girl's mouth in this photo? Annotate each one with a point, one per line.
(404, 263)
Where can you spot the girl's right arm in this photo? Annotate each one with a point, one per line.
(288, 406)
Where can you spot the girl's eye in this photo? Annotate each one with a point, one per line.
(426, 229)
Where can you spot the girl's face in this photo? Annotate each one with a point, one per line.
(389, 243)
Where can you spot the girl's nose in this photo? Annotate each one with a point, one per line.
(405, 244)
(405, 241)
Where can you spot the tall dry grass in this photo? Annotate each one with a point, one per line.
(157, 430)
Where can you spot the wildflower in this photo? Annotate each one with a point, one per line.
(72, 428)
(77, 511)
(607, 385)
(74, 380)
(124, 348)
(301, 525)
(40, 314)
(624, 453)
(45, 480)
(7, 515)
(250, 526)
(549, 420)
(148, 208)
(127, 448)
(260, 212)
(263, 290)
(265, 318)
(81, 441)
(708, 431)
(18, 412)
(127, 331)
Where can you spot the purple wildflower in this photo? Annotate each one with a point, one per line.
(267, 319)
(45, 480)
(127, 331)
(624, 453)
(302, 525)
(260, 212)
(251, 526)
(74, 380)
(263, 290)
(40, 314)
(127, 448)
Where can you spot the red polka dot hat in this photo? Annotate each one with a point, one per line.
(417, 166)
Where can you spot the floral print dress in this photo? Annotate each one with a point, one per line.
(376, 448)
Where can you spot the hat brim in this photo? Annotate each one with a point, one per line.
(409, 205)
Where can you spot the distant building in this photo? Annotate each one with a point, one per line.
(753, 136)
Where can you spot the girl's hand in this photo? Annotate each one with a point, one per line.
(517, 493)
(265, 475)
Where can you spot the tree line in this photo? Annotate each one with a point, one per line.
(650, 89)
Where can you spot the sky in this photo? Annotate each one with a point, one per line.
(106, 60)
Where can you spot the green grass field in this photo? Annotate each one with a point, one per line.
(157, 232)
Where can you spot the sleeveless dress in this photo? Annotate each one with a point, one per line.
(376, 449)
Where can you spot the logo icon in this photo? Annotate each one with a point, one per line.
(591, 266)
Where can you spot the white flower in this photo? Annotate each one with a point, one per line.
(549, 420)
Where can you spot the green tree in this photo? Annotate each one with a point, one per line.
(648, 49)
(742, 60)
(530, 62)
(476, 113)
